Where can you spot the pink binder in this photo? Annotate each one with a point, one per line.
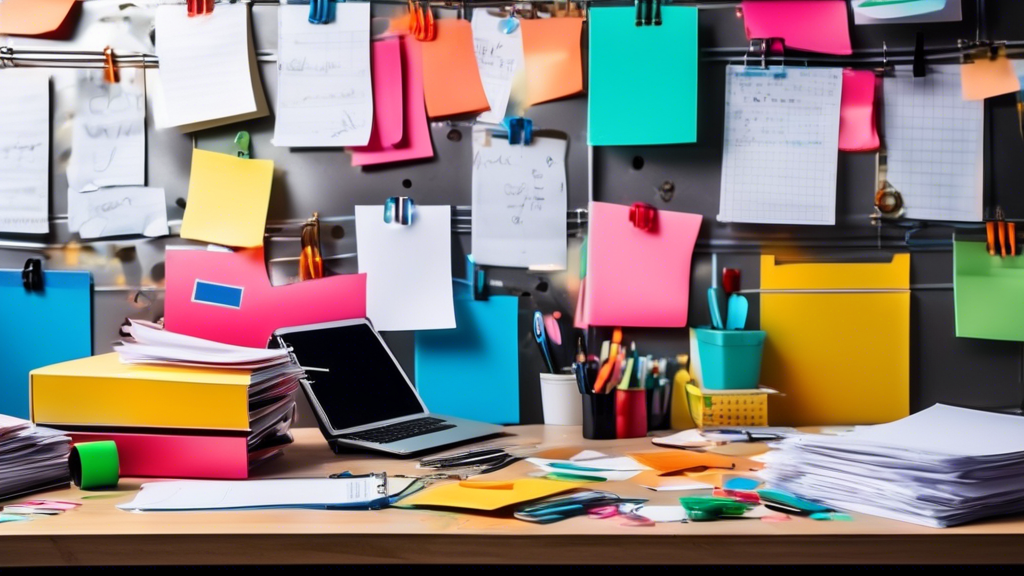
(227, 297)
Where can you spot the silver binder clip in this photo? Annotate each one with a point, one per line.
(6, 57)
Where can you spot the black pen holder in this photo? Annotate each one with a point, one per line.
(599, 416)
(659, 402)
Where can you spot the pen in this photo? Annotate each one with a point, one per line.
(542, 340)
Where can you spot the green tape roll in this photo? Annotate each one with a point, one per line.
(94, 465)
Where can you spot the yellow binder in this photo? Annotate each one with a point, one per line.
(101, 391)
(838, 343)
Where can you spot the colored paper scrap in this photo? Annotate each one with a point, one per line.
(451, 80)
(814, 26)
(987, 77)
(554, 65)
(983, 289)
(227, 200)
(858, 130)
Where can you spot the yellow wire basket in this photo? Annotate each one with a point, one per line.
(733, 409)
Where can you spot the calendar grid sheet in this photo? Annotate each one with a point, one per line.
(934, 143)
(781, 145)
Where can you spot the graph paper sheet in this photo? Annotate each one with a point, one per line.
(934, 141)
(781, 145)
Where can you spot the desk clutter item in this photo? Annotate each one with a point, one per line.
(983, 284)
(32, 458)
(94, 465)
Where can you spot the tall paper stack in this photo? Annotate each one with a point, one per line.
(32, 458)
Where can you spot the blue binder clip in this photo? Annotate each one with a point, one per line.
(477, 278)
(321, 11)
(398, 210)
(520, 130)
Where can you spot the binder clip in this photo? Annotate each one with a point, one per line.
(758, 48)
(648, 12)
(311, 261)
(32, 275)
(520, 130)
(730, 281)
(510, 24)
(1007, 234)
(919, 63)
(321, 11)
(421, 21)
(887, 68)
(110, 72)
(242, 141)
(477, 277)
(199, 7)
(644, 216)
(398, 210)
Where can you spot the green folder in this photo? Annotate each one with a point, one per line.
(643, 79)
(987, 292)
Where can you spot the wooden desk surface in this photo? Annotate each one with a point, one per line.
(98, 533)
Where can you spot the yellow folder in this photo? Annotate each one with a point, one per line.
(101, 391)
(838, 344)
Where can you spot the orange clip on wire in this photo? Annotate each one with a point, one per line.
(199, 7)
(990, 240)
(311, 262)
(110, 73)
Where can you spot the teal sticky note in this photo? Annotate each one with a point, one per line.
(472, 371)
(643, 79)
(39, 329)
(986, 290)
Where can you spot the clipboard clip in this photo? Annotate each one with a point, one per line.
(110, 72)
(32, 275)
(199, 7)
(398, 210)
(643, 216)
(648, 12)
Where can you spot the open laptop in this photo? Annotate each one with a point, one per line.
(362, 397)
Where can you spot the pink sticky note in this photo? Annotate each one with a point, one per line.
(857, 132)
(388, 100)
(227, 297)
(812, 25)
(638, 277)
(580, 320)
(415, 142)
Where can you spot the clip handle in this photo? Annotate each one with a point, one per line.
(398, 210)
(32, 275)
(643, 216)
(320, 11)
(200, 7)
(110, 72)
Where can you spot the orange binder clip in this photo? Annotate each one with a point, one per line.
(199, 7)
(421, 21)
(110, 73)
(311, 262)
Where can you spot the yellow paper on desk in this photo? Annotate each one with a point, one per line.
(838, 345)
(488, 495)
(227, 199)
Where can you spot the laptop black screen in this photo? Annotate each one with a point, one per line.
(362, 384)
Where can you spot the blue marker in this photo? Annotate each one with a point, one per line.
(542, 340)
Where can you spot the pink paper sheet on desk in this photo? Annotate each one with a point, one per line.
(857, 125)
(637, 277)
(812, 25)
(415, 141)
(260, 308)
(388, 100)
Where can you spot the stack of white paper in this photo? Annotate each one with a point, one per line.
(151, 344)
(940, 467)
(31, 457)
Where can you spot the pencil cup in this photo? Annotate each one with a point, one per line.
(599, 416)
(730, 359)
(559, 396)
(659, 401)
(631, 413)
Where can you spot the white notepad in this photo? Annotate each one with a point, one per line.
(25, 153)
(935, 145)
(781, 145)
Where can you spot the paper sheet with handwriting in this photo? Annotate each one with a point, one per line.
(519, 202)
(108, 145)
(25, 153)
(781, 145)
(408, 268)
(499, 57)
(208, 75)
(324, 90)
(118, 211)
(935, 145)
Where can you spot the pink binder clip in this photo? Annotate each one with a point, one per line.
(644, 216)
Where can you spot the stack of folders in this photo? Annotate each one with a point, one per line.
(32, 458)
(176, 406)
(940, 467)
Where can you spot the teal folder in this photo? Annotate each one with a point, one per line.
(472, 371)
(987, 293)
(40, 328)
(643, 79)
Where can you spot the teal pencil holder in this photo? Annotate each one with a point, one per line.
(730, 359)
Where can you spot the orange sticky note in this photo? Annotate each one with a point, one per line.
(551, 50)
(680, 460)
(451, 79)
(35, 17)
(988, 77)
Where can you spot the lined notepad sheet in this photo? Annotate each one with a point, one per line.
(25, 152)
(781, 145)
(935, 146)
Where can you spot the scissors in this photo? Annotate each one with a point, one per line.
(541, 336)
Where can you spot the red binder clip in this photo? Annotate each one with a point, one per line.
(110, 73)
(199, 7)
(644, 216)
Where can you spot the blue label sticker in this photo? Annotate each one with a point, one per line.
(217, 294)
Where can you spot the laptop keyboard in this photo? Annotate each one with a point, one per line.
(400, 431)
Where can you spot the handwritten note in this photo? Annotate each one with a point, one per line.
(498, 56)
(109, 136)
(25, 153)
(208, 75)
(519, 202)
(781, 145)
(324, 91)
(118, 211)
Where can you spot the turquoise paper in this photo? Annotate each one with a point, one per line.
(643, 80)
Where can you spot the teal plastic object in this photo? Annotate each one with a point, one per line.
(730, 359)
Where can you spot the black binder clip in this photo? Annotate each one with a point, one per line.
(321, 11)
(32, 275)
(648, 12)
(520, 130)
(919, 64)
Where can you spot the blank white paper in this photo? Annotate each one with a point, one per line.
(519, 202)
(498, 57)
(108, 145)
(934, 140)
(781, 145)
(324, 89)
(208, 75)
(118, 211)
(408, 268)
(282, 493)
(25, 153)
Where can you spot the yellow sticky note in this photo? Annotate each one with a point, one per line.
(227, 199)
(988, 77)
(838, 357)
(485, 496)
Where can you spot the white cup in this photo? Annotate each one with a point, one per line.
(560, 397)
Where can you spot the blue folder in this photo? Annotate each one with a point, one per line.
(40, 328)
